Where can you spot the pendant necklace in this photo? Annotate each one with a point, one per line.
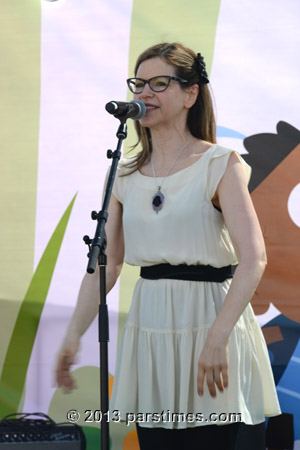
(159, 198)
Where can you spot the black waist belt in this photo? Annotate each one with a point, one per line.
(184, 272)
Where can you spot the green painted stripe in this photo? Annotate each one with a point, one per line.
(20, 347)
(19, 132)
(192, 23)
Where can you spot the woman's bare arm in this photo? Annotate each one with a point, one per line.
(246, 235)
(88, 298)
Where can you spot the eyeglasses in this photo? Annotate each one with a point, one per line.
(156, 84)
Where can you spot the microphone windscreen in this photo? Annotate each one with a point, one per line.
(142, 109)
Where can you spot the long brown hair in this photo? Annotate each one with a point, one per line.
(201, 120)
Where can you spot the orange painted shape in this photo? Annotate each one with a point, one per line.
(131, 441)
(281, 281)
(110, 385)
(272, 334)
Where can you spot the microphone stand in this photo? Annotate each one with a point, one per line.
(96, 253)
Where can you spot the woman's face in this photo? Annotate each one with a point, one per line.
(163, 109)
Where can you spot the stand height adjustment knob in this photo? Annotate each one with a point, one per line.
(87, 240)
(94, 215)
(109, 154)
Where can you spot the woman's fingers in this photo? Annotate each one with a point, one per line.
(210, 381)
(214, 378)
(215, 373)
(225, 375)
(66, 358)
(218, 380)
(200, 378)
(62, 370)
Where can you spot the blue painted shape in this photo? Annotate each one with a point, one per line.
(271, 356)
(228, 132)
(288, 389)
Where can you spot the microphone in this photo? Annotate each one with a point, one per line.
(134, 110)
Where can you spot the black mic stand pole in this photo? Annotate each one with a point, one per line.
(97, 248)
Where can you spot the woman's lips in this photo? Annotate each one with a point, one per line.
(150, 107)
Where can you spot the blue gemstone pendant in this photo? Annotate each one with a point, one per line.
(158, 201)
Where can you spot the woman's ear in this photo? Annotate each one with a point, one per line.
(192, 94)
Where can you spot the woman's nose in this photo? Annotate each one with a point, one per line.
(147, 92)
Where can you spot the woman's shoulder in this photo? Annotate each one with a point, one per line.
(211, 149)
(126, 164)
(219, 150)
(127, 160)
(222, 158)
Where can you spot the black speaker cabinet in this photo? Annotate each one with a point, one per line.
(38, 437)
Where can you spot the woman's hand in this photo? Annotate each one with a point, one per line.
(213, 365)
(66, 358)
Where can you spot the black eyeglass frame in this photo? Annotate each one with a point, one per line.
(169, 77)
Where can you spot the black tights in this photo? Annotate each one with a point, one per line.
(235, 436)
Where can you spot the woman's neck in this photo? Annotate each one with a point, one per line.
(167, 143)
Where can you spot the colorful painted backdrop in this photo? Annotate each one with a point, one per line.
(61, 62)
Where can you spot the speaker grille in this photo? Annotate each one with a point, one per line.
(66, 445)
(37, 436)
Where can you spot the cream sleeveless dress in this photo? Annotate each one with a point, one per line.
(168, 321)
